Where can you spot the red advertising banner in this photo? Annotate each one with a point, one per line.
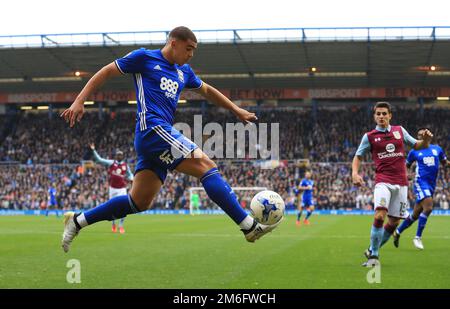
(244, 94)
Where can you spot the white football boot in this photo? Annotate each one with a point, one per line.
(418, 243)
(258, 230)
(70, 230)
(372, 261)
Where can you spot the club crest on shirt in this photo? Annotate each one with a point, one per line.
(397, 135)
(180, 76)
(434, 152)
(390, 147)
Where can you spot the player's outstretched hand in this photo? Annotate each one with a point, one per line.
(92, 146)
(427, 136)
(245, 116)
(73, 113)
(357, 180)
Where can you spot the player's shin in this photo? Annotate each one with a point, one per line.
(117, 207)
(387, 232)
(405, 224)
(221, 193)
(308, 214)
(421, 225)
(376, 234)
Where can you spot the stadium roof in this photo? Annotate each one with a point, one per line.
(241, 58)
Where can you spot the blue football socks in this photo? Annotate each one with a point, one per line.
(116, 208)
(405, 224)
(376, 234)
(421, 225)
(221, 193)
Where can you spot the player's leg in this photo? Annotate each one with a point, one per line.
(397, 209)
(122, 191)
(300, 210)
(389, 229)
(218, 190)
(146, 185)
(376, 232)
(309, 212)
(410, 219)
(112, 194)
(406, 223)
(121, 227)
(427, 205)
(202, 167)
(382, 197)
(421, 192)
(113, 222)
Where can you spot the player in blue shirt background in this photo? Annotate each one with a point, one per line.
(159, 77)
(52, 202)
(427, 168)
(306, 186)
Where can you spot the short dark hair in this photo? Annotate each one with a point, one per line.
(182, 33)
(383, 105)
(422, 128)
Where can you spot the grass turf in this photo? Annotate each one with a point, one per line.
(176, 251)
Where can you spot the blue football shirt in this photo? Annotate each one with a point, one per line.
(307, 194)
(158, 85)
(52, 194)
(427, 163)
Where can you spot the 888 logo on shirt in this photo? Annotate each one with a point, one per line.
(170, 86)
(428, 161)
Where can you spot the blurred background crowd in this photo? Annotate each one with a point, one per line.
(39, 151)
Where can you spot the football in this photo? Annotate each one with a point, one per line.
(267, 207)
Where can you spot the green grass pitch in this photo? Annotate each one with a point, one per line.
(181, 251)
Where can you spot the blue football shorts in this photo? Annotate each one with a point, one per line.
(422, 190)
(161, 148)
(307, 202)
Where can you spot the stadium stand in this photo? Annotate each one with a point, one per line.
(33, 158)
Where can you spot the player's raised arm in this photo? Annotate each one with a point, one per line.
(130, 175)
(212, 94)
(76, 110)
(425, 140)
(98, 158)
(410, 164)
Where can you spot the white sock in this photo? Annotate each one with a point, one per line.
(82, 220)
(247, 223)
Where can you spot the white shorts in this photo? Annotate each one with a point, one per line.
(393, 198)
(113, 192)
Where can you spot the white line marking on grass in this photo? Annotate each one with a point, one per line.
(286, 236)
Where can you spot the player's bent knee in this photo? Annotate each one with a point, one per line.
(428, 209)
(380, 214)
(208, 163)
(141, 203)
(394, 221)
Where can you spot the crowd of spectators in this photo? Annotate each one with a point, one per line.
(78, 187)
(41, 151)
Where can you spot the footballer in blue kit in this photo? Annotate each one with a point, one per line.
(159, 146)
(306, 186)
(159, 77)
(52, 202)
(426, 172)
